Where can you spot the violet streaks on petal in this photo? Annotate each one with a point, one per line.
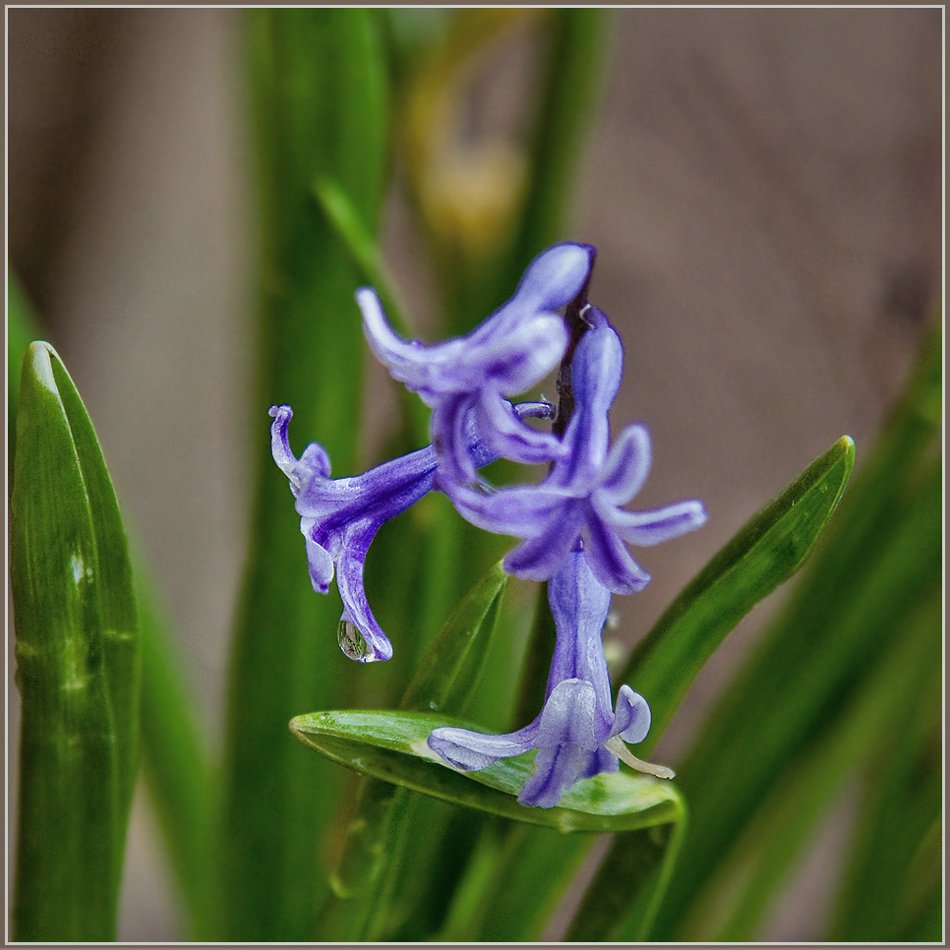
(585, 488)
(508, 353)
(578, 733)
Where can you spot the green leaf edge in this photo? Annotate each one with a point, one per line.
(400, 755)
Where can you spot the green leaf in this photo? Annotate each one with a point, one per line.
(318, 81)
(880, 562)
(77, 653)
(574, 71)
(765, 553)
(437, 684)
(377, 833)
(392, 746)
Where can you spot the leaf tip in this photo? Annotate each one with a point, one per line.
(39, 362)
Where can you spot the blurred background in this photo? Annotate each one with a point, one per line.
(763, 186)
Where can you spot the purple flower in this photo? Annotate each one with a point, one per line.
(578, 734)
(586, 487)
(340, 517)
(507, 354)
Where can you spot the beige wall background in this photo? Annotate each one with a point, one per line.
(764, 188)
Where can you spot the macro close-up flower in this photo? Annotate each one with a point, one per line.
(586, 487)
(340, 517)
(578, 734)
(507, 354)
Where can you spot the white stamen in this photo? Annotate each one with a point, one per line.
(616, 745)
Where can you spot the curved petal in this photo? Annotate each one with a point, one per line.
(320, 563)
(314, 463)
(451, 429)
(555, 770)
(357, 611)
(539, 557)
(471, 751)
(555, 277)
(405, 359)
(603, 760)
(570, 716)
(645, 528)
(523, 511)
(509, 437)
(633, 716)
(627, 466)
(610, 561)
(597, 369)
(517, 357)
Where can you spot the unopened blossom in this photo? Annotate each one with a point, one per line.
(508, 353)
(578, 733)
(340, 517)
(589, 482)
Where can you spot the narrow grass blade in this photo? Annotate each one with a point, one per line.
(576, 65)
(176, 766)
(77, 665)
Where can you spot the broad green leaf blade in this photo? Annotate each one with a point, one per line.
(77, 665)
(767, 551)
(392, 746)
(318, 82)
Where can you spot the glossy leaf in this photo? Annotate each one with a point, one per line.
(765, 553)
(392, 746)
(77, 665)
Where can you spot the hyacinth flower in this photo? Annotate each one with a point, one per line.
(340, 517)
(508, 353)
(583, 494)
(578, 733)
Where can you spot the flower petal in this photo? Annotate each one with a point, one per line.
(610, 561)
(511, 438)
(522, 511)
(538, 558)
(627, 466)
(555, 277)
(555, 770)
(471, 751)
(349, 580)
(645, 528)
(633, 716)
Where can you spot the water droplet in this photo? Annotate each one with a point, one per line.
(351, 641)
(433, 705)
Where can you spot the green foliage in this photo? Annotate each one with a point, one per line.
(840, 700)
(77, 650)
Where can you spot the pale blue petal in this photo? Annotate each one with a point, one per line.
(633, 716)
(646, 528)
(471, 751)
